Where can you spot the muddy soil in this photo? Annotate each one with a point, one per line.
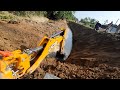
(94, 55)
(25, 34)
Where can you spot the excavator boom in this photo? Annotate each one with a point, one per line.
(15, 64)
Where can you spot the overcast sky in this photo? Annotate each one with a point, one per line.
(101, 16)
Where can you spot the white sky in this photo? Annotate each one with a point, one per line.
(101, 16)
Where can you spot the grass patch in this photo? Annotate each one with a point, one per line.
(6, 15)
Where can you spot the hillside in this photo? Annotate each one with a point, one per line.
(94, 55)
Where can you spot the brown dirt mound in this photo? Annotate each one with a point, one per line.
(25, 34)
(94, 55)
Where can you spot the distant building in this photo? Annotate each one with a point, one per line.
(118, 29)
(113, 29)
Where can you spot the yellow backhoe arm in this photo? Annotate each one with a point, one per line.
(52, 42)
(18, 63)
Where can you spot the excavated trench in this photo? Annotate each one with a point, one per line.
(94, 56)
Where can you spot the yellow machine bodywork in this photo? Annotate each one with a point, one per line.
(19, 63)
(50, 44)
(14, 66)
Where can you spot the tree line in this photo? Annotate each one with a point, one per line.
(89, 21)
(54, 15)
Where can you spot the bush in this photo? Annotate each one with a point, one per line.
(88, 21)
(29, 13)
(6, 15)
(56, 15)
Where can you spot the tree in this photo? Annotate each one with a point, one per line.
(55, 15)
(88, 21)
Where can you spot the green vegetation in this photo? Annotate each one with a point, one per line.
(54, 15)
(6, 15)
(89, 22)
(28, 13)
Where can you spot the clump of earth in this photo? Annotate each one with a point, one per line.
(94, 55)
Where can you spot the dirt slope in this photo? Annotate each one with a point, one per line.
(94, 55)
(25, 34)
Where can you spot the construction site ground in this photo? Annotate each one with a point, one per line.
(94, 55)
